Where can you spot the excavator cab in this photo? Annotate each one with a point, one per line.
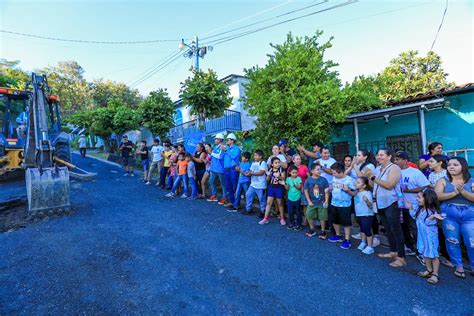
(13, 128)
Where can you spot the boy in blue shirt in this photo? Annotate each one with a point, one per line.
(244, 181)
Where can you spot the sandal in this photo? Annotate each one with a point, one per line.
(446, 263)
(386, 255)
(434, 279)
(425, 274)
(460, 274)
(398, 263)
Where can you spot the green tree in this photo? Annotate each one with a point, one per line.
(67, 81)
(205, 95)
(104, 90)
(410, 74)
(124, 118)
(364, 94)
(297, 94)
(11, 75)
(156, 112)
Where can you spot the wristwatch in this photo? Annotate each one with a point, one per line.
(372, 178)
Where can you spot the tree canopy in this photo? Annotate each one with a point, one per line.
(206, 95)
(156, 112)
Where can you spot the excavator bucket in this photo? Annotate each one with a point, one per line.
(47, 190)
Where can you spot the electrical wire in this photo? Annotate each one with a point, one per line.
(89, 41)
(248, 17)
(156, 70)
(156, 65)
(440, 25)
(235, 36)
(265, 20)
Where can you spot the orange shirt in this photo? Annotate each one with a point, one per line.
(182, 167)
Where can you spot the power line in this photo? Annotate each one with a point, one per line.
(157, 69)
(157, 64)
(235, 36)
(248, 17)
(440, 25)
(266, 20)
(89, 41)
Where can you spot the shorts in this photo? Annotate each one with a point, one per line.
(128, 161)
(340, 215)
(145, 164)
(275, 192)
(317, 212)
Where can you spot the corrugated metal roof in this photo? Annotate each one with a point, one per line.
(468, 87)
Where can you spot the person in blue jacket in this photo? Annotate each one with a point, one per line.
(231, 160)
(217, 170)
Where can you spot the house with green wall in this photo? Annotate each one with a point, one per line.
(445, 115)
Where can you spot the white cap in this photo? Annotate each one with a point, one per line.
(220, 135)
(231, 136)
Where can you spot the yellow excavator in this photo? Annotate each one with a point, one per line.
(32, 141)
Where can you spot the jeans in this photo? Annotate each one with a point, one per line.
(260, 193)
(169, 182)
(212, 179)
(193, 187)
(409, 230)
(163, 172)
(231, 179)
(294, 207)
(181, 179)
(154, 164)
(390, 217)
(238, 192)
(459, 221)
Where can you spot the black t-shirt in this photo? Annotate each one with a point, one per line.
(199, 165)
(274, 178)
(126, 151)
(145, 155)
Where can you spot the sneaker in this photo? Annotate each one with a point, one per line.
(212, 199)
(222, 202)
(356, 236)
(346, 244)
(420, 258)
(282, 222)
(132, 174)
(261, 215)
(297, 228)
(263, 221)
(311, 233)
(335, 238)
(409, 252)
(368, 250)
(228, 204)
(148, 183)
(125, 174)
(184, 196)
(192, 198)
(376, 242)
(157, 184)
(171, 194)
(232, 209)
(362, 245)
(323, 235)
(290, 226)
(247, 212)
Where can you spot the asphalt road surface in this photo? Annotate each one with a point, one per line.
(127, 249)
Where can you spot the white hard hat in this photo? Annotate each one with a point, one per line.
(220, 135)
(231, 136)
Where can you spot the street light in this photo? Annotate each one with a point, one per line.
(194, 50)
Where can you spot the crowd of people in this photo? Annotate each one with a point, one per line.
(426, 209)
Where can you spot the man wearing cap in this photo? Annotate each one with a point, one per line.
(217, 170)
(412, 181)
(231, 160)
(82, 146)
(126, 147)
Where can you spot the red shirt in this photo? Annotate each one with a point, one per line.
(303, 173)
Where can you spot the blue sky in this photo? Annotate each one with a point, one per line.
(367, 34)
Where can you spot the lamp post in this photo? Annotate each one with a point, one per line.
(194, 50)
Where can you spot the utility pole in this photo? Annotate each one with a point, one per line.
(194, 50)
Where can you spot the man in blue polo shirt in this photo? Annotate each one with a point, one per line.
(217, 170)
(231, 160)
